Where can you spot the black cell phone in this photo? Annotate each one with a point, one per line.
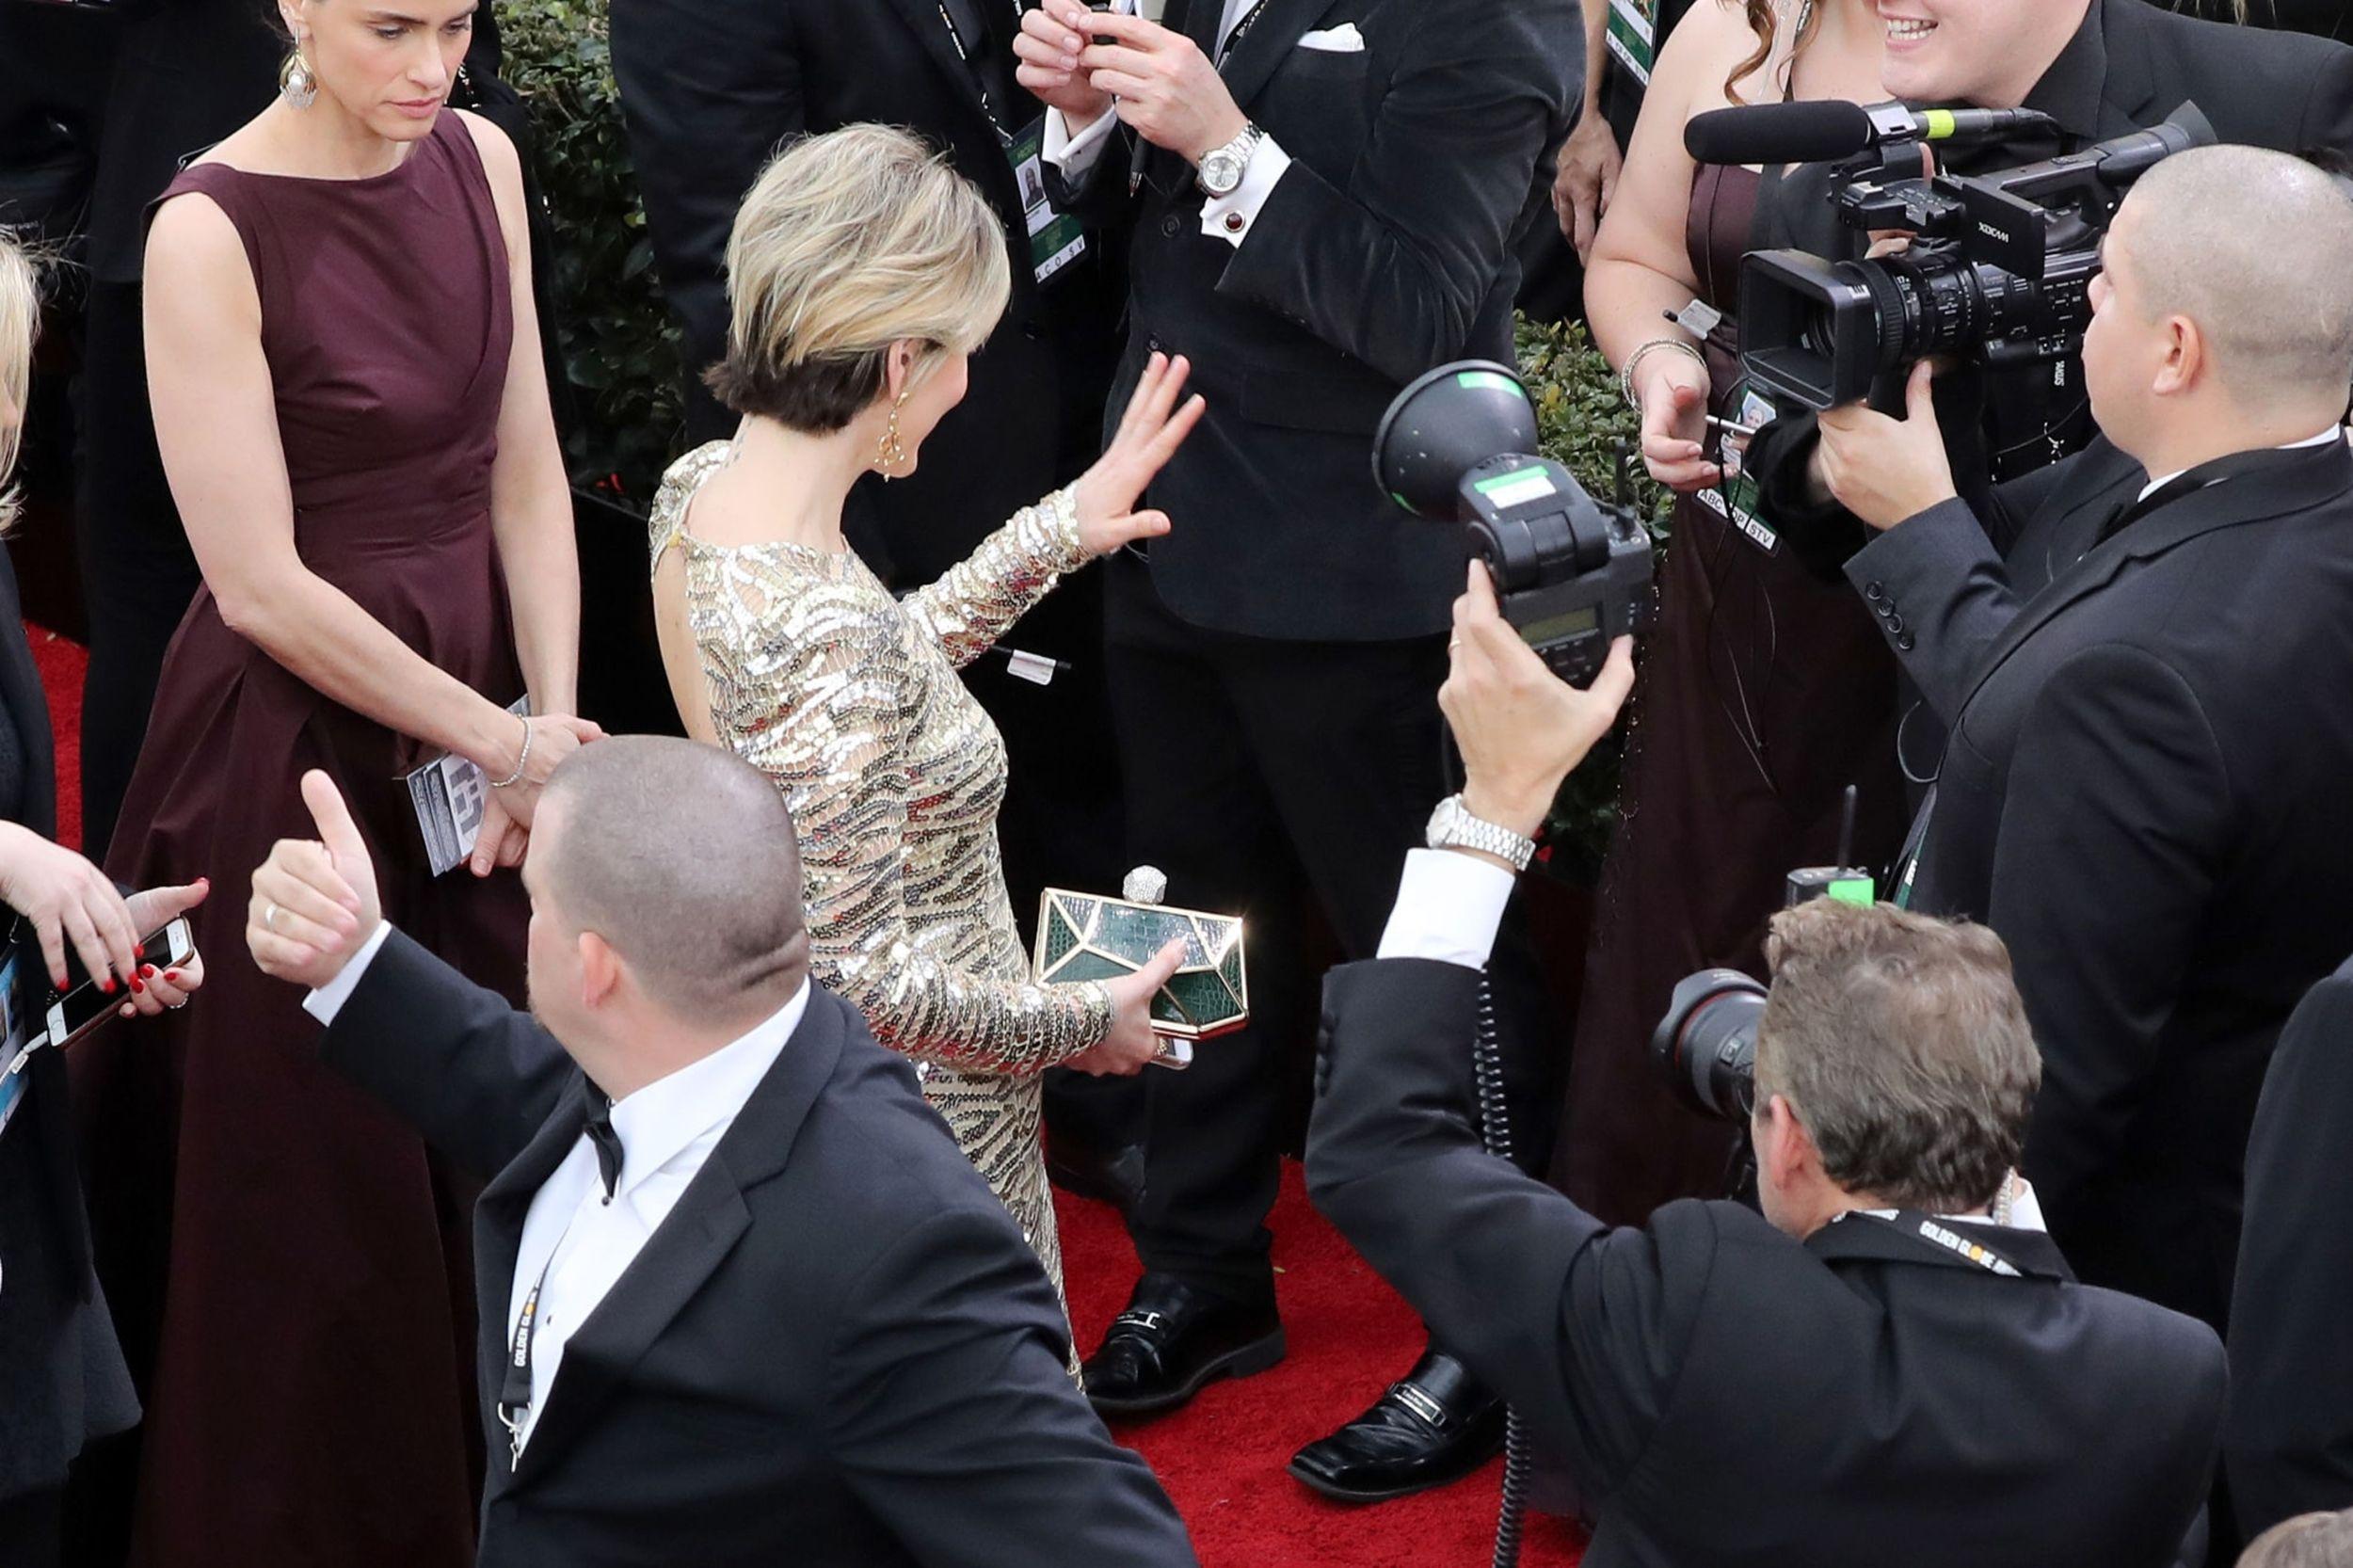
(82, 1005)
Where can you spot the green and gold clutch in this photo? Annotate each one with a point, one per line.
(1085, 936)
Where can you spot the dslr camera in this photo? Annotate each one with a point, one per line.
(1999, 273)
(1571, 574)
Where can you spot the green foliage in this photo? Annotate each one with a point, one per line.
(1580, 421)
(620, 346)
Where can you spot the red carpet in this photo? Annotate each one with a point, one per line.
(1221, 1457)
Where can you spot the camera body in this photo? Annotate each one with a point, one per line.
(1570, 573)
(1999, 273)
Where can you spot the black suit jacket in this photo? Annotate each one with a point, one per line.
(2144, 795)
(2288, 1446)
(836, 1350)
(76, 1388)
(711, 89)
(1386, 249)
(1725, 1395)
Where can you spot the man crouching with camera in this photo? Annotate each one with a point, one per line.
(1875, 1369)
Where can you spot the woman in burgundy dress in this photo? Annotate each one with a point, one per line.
(370, 479)
(1764, 692)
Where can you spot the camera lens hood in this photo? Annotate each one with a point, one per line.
(1445, 424)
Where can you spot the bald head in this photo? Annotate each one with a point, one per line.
(2251, 246)
(682, 858)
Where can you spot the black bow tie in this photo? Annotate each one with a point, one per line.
(608, 1145)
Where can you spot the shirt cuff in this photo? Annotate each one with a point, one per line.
(1231, 217)
(1448, 908)
(327, 1001)
(1074, 156)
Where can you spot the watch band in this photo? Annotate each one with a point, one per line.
(1452, 826)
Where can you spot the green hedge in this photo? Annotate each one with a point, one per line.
(620, 346)
(622, 352)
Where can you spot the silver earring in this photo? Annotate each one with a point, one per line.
(296, 84)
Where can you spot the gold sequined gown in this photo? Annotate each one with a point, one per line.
(849, 699)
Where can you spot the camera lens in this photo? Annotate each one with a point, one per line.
(1707, 1043)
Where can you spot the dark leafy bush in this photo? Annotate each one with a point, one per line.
(620, 346)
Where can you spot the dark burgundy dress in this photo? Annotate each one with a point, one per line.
(289, 1265)
(1764, 692)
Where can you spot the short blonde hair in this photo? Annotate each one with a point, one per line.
(20, 322)
(848, 243)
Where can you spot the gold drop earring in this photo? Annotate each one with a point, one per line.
(890, 455)
(296, 84)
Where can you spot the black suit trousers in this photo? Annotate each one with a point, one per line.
(137, 571)
(1248, 762)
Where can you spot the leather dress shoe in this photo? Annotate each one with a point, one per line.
(1173, 1339)
(1115, 1176)
(1436, 1425)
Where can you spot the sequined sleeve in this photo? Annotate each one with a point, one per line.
(824, 720)
(971, 607)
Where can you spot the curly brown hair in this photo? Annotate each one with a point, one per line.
(1767, 26)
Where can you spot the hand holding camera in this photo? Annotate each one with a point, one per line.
(1521, 729)
(1886, 470)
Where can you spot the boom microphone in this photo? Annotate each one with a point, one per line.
(1825, 130)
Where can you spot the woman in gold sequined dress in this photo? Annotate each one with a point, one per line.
(862, 272)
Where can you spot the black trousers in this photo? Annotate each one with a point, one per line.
(1250, 765)
(137, 571)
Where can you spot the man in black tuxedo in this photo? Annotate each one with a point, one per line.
(1891, 1363)
(2288, 1445)
(1321, 197)
(2143, 790)
(741, 1299)
(709, 88)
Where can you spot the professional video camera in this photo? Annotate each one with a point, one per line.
(1456, 446)
(1999, 271)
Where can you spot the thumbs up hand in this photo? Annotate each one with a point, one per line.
(314, 901)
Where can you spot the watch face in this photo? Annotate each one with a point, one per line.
(1221, 171)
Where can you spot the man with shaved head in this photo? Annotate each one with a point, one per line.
(2145, 790)
(741, 1301)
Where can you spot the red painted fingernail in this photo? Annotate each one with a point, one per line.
(149, 970)
(135, 987)
(108, 986)
(172, 975)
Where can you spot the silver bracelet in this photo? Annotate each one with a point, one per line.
(520, 762)
(1634, 362)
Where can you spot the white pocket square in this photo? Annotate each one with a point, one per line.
(1342, 40)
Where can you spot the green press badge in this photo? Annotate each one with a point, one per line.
(1737, 499)
(1633, 35)
(1056, 239)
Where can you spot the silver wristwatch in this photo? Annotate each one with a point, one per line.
(1452, 826)
(1222, 167)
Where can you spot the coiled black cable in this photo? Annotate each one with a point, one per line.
(1494, 1132)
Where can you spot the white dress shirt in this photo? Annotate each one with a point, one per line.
(1449, 905)
(2334, 432)
(1074, 156)
(582, 1240)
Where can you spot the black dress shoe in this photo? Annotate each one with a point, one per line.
(1115, 1176)
(1435, 1426)
(1173, 1338)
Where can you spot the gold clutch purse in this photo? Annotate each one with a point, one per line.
(1087, 936)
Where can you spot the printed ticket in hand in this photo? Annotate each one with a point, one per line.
(448, 795)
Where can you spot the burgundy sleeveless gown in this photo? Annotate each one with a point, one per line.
(1764, 692)
(290, 1265)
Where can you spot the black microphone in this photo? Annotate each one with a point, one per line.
(1825, 130)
